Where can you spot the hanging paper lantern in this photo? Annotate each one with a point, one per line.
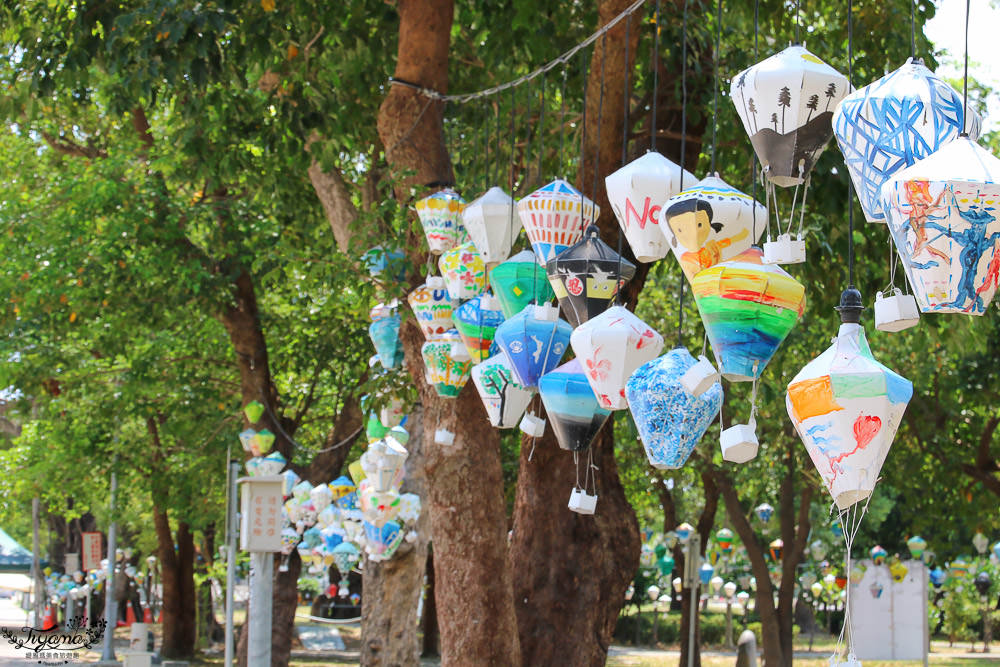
(272, 464)
(709, 223)
(724, 538)
(837, 529)
(764, 512)
(321, 497)
(817, 550)
(637, 192)
(916, 545)
(505, 400)
(846, 408)
(291, 479)
(492, 224)
(716, 583)
(477, 320)
(996, 550)
(808, 579)
(684, 532)
(942, 214)
(816, 589)
(385, 460)
(341, 486)
(587, 276)
(776, 548)
(665, 564)
(857, 573)
(786, 103)
(378, 260)
(384, 333)
(374, 429)
(670, 420)
(464, 271)
(253, 411)
(647, 557)
(382, 541)
(518, 282)
(959, 568)
(246, 437)
(898, 571)
(444, 371)
(876, 589)
(261, 442)
(748, 308)
(980, 542)
(878, 555)
(572, 408)
(345, 557)
(432, 307)
(705, 573)
(895, 121)
(534, 341)
(554, 217)
(611, 346)
(441, 216)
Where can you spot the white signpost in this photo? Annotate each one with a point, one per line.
(260, 534)
(889, 618)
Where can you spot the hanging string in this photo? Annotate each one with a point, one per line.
(512, 143)
(965, 76)
(527, 139)
(913, 30)
(798, 20)
(486, 154)
(684, 100)
(850, 188)
(600, 116)
(625, 104)
(562, 121)
(715, 87)
(753, 153)
(541, 132)
(583, 140)
(496, 172)
(656, 78)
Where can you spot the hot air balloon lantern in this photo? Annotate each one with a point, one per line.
(384, 332)
(878, 555)
(724, 538)
(446, 370)
(684, 532)
(705, 573)
(637, 192)
(816, 589)
(492, 224)
(709, 223)
(917, 545)
(586, 277)
(897, 570)
(775, 549)
(441, 217)
(996, 550)
(477, 320)
(748, 309)
(573, 410)
(876, 589)
(981, 543)
(891, 123)
(959, 568)
(345, 557)
(533, 341)
(385, 460)
(943, 216)
(464, 271)
(505, 400)
(817, 550)
(764, 511)
(253, 411)
(432, 307)
(612, 346)
(554, 217)
(846, 407)
(518, 282)
(670, 419)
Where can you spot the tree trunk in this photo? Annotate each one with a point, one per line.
(393, 587)
(177, 580)
(432, 635)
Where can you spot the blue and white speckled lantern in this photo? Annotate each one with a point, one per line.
(670, 419)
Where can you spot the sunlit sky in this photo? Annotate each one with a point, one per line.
(947, 32)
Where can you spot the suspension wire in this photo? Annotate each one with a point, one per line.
(798, 20)
(625, 104)
(486, 152)
(965, 76)
(913, 31)
(684, 100)
(562, 122)
(496, 170)
(547, 67)
(715, 86)
(541, 132)
(656, 78)
(753, 153)
(527, 139)
(512, 142)
(600, 116)
(850, 187)
(583, 138)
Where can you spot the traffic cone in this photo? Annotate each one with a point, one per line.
(147, 615)
(48, 618)
(129, 615)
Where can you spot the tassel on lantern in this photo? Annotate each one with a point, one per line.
(572, 408)
(553, 217)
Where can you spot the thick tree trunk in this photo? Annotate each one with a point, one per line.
(177, 579)
(392, 588)
(432, 635)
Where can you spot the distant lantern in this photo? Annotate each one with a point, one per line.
(492, 224)
(942, 214)
(379, 260)
(817, 550)
(383, 463)
(786, 103)
(980, 542)
(748, 308)
(477, 320)
(441, 217)
(611, 346)
(890, 124)
(554, 217)
(705, 573)
(846, 407)
(505, 400)
(897, 570)
(586, 277)
(520, 281)
(709, 223)
(764, 512)
(464, 271)
(917, 545)
(445, 372)
(432, 307)
(776, 548)
(724, 538)
(534, 342)
(637, 192)
(572, 408)
(879, 555)
(253, 411)
(384, 332)
(959, 568)
(670, 419)
(876, 589)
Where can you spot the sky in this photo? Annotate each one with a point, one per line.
(947, 32)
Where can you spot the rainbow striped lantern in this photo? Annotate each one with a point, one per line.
(431, 306)
(446, 373)
(553, 217)
(846, 408)
(464, 271)
(942, 214)
(384, 332)
(709, 223)
(518, 282)
(958, 568)
(586, 277)
(441, 216)
(492, 224)
(504, 399)
(724, 538)
(670, 419)
(637, 192)
(748, 308)
(611, 346)
(572, 408)
(917, 545)
(879, 555)
(895, 121)
(533, 342)
(477, 320)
